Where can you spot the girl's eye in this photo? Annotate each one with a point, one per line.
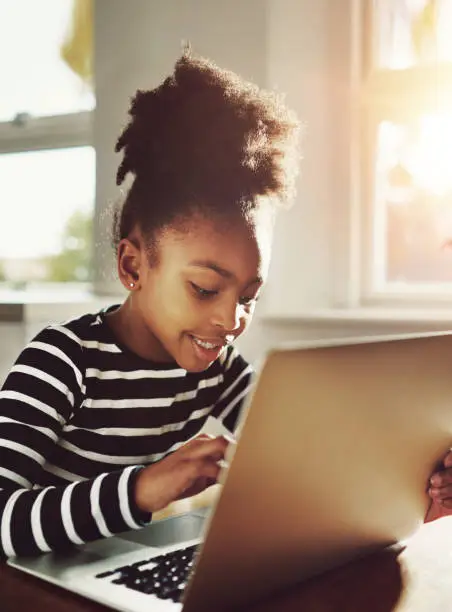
(203, 293)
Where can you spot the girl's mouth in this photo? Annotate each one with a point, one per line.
(208, 350)
(208, 345)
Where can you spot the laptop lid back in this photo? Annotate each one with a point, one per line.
(333, 460)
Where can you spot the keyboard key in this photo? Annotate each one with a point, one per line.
(164, 576)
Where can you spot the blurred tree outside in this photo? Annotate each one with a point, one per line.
(74, 262)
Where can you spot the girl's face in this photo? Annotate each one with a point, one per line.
(201, 293)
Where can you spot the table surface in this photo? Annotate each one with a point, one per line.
(414, 578)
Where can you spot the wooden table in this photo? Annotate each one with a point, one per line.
(417, 578)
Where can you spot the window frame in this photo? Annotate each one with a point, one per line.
(42, 133)
(49, 133)
(391, 95)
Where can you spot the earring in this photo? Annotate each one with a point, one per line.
(131, 285)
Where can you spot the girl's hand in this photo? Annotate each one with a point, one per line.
(440, 491)
(187, 471)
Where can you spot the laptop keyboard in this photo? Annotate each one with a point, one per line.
(164, 576)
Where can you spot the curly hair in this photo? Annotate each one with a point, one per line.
(203, 140)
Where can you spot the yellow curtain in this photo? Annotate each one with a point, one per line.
(424, 29)
(77, 48)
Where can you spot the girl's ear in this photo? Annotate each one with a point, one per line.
(129, 263)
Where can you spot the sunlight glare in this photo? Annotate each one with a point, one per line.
(431, 157)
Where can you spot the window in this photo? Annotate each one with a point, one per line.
(47, 162)
(407, 150)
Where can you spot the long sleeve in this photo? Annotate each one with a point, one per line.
(40, 394)
(237, 384)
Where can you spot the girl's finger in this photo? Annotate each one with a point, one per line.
(441, 493)
(442, 479)
(214, 448)
(448, 459)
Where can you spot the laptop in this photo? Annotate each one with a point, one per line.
(336, 446)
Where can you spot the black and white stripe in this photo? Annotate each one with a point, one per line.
(79, 416)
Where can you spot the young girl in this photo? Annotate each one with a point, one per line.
(96, 413)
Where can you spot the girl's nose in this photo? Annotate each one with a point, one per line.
(227, 316)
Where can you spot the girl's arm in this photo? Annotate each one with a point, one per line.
(41, 392)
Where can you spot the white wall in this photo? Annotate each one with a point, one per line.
(299, 65)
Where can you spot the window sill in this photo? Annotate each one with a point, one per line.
(47, 305)
(375, 317)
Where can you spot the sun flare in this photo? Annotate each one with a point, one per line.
(431, 155)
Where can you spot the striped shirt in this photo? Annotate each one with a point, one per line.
(79, 415)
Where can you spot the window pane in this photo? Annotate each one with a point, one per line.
(46, 215)
(34, 77)
(412, 32)
(413, 204)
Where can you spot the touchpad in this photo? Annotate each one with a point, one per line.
(168, 531)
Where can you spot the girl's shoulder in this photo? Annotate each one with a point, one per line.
(88, 331)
